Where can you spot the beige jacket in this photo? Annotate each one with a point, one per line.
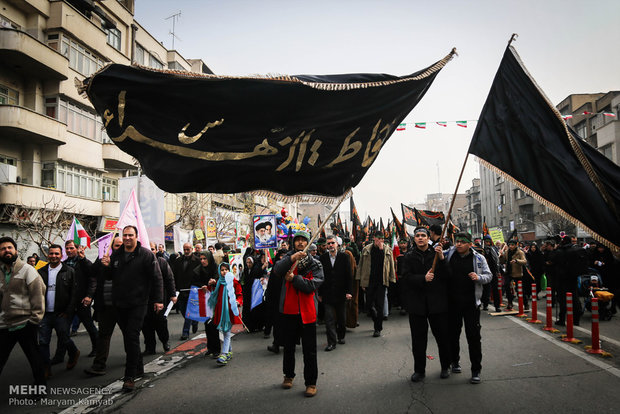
(363, 268)
(23, 298)
(516, 268)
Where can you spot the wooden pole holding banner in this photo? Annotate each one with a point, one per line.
(342, 198)
(445, 226)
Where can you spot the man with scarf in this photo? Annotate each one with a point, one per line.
(225, 301)
(300, 275)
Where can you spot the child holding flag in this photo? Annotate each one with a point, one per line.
(225, 300)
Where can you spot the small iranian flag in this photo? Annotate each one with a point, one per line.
(401, 127)
(567, 117)
(609, 114)
(421, 125)
(443, 124)
(462, 124)
(78, 234)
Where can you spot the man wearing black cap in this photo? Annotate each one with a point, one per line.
(375, 272)
(469, 271)
(426, 297)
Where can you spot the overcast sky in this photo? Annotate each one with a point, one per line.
(568, 46)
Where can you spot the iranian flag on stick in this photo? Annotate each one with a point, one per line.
(421, 125)
(77, 234)
(443, 124)
(462, 124)
(401, 127)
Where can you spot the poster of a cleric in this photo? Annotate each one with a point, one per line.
(265, 232)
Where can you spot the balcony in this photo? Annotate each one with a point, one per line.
(64, 17)
(31, 58)
(115, 158)
(25, 125)
(39, 197)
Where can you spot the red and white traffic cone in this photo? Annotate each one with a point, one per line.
(521, 313)
(595, 348)
(549, 326)
(569, 320)
(534, 318)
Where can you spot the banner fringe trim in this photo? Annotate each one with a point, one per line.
(549, 204)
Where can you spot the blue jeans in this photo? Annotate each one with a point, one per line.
(61, 325)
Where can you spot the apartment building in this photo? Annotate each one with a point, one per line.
(55, 156)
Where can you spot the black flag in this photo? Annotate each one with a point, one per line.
(521, 136)
(400, 229)
(291, 135)
(427, 218)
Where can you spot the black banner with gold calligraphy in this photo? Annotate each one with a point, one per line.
(290, 134)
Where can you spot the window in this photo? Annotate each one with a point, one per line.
(582, 130)
(79, 121)
(139, 54)
(8, 96)
(607, 151)
(71, 179)
(154, 63)
(114, 38)
(110, 189)
(80, 58)
(8, 23)
(7, 160)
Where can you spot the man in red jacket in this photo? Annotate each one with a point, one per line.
(297, 306)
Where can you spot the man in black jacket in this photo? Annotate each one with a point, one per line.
(136, 282)
(183, 268)
(106, 315)
(426, 298)
(336, 288)
(156, 321)
(60, 300)
(86, 285)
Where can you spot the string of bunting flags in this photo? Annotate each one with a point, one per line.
(464, 124)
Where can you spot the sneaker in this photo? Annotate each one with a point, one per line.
(310, 391)
(129, 385)
(222, 360)
(72, 362)
(229, 356)
(456, 368)
(475, 378)
(166, 346)
(287, 384)
(445, 373)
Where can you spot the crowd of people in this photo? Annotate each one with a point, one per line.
(440, 283)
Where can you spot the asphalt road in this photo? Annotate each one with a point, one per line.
(524, 369)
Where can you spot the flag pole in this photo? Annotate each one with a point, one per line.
(107, 252)
(342, 198)
(445, 226)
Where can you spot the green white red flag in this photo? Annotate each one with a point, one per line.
(402, 127)
(443, 124)
(421, 125)
(78, 234)
(462, 124)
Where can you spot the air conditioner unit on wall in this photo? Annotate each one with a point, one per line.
(8, 173)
